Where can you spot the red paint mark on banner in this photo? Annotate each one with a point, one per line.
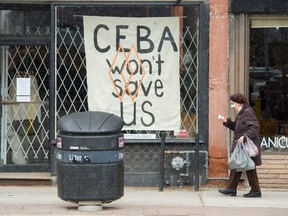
(126, 82)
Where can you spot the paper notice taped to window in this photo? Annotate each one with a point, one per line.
(23, 91)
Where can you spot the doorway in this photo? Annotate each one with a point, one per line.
(24, 79)
(25, 96)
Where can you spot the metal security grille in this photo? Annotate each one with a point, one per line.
(26, 118)
(71, 72)
(189, 80)
(72, 86)
(24, 63)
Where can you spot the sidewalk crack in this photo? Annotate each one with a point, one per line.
(201, 199)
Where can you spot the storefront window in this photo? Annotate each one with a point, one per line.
(268, 89)
(71, 65)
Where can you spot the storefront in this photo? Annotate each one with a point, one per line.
(265, 66)
(42, 46)
(257, 67)
(268, 69)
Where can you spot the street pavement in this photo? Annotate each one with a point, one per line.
(43, 200)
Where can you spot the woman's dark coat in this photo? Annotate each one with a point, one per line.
(246, 124)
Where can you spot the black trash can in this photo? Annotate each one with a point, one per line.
(90, 164)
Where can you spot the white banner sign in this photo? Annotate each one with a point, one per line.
(133, 70)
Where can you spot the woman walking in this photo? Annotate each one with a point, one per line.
(245, 124)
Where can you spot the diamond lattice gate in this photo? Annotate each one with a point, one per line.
(26, 99)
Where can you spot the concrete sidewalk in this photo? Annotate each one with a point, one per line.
(43, 200)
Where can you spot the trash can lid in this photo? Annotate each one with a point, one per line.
(90, 122)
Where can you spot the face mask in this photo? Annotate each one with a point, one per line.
(232, 105)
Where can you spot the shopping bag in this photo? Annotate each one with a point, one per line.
(240, 159)
(251, 147)
(249, 166)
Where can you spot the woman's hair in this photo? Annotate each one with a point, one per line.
(238, 98)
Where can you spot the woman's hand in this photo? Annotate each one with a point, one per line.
(222, 118)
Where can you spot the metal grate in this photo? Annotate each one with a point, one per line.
(71, 77)
(27, 122)
(189, 81)
(71, 72)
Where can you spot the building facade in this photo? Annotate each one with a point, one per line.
(223, 47)
(255, 64)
